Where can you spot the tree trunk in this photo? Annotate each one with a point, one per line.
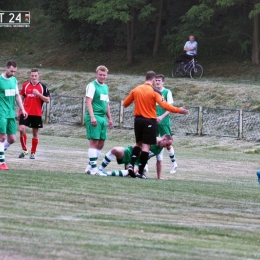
(130, 38)
(255, 51)
(158, 29)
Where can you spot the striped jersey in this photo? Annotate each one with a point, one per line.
(33, 104)
(8, 90)
(99, 94)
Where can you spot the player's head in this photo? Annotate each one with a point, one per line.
(34, 76)
(101, 74)
(150, 75)
(159, 81)
(10, 68)
(165, 141)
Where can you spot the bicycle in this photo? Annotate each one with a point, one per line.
(180, 69)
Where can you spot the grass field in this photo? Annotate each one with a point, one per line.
(209, 209)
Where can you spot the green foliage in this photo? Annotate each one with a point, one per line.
(255, 11)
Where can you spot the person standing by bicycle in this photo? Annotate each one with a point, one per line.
(191, 48)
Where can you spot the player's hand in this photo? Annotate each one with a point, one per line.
(25, 114)
(159, 119)
(93, 121)
(184, 111)
(36, 92)
(110, 124)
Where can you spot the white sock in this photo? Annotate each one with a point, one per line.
(2, 152)
(171, 154)
(6, 145)
(119, 173)
(92, 155)
(107, 159)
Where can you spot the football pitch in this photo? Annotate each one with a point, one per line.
(209, 209)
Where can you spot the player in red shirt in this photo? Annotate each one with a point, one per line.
(33, 94)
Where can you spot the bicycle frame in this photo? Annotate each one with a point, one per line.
(189, 65)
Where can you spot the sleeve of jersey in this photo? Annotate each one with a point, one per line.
(128, 100)
(21, 92)
(165, 105)
(46, 92)
(169, 97)
(90, 90)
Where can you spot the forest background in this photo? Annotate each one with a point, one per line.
(133, 36)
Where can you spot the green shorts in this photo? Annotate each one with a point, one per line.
(127, 157)
(7, 126)
(98, 132)
(163, 130)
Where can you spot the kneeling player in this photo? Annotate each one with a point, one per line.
(123, 156)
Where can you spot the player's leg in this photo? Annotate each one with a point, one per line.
(95, 145)
(165, 129)
(7, 131)
(23, 137)
(148, 138)
(115, 152)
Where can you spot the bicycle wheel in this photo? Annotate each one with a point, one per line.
(196, 72)
(177, 70)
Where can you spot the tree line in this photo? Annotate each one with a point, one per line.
(221, 27)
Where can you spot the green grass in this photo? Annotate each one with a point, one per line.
(49, 209)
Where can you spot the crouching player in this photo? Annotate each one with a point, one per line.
(123, 156)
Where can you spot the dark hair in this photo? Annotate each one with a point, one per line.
(34, 70)
(10, 63)
(150, 75)
(161, 76)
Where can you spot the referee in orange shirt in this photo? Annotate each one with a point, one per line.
(145, 98)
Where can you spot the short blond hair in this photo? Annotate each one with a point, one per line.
(102, 68)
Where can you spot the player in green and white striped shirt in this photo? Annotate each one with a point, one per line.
(9, 94)
(123, 156)
(163, 118)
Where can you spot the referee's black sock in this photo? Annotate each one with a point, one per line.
(143, 161)
(135, 153)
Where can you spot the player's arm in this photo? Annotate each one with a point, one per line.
(20, 104)
(110, 121)
(159, 169)
(168, 107)
(128, 100)
(90, 91)
(90, 110)
(41, 96)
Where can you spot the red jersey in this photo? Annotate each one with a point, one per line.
(33, 104)
(145, 98)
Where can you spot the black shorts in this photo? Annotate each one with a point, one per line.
(31, 121)
(145, 130)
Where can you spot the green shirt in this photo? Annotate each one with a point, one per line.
(154, 150)
(8, 90)
(99, 94)
(167, 95)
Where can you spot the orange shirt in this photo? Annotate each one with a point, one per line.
(145, 99)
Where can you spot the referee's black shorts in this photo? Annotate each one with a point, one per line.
(145, 130)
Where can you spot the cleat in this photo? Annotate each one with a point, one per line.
(22, 155)
(3, 166)
(141, 176)
(102, 171)
(95, 172)
(32, 156)
(146, 168)
(131, 171)
(174, 167)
